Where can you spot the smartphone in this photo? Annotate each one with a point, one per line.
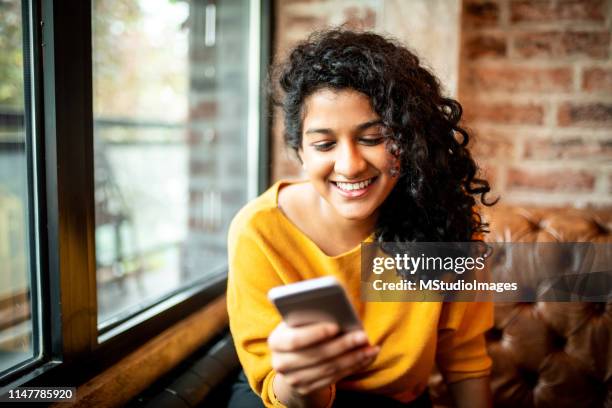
(315, 300)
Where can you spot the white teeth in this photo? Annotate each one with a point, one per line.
(354, 186)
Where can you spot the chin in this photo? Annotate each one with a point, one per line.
(355, 215)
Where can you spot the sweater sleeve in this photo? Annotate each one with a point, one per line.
(252, 317)
(461, 349)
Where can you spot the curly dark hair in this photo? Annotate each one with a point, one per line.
(433, 200)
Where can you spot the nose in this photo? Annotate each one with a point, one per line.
(350, 162)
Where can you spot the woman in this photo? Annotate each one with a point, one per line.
(385, 159)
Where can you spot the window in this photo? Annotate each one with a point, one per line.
(17, 325)
(170, 144)
(129, 137)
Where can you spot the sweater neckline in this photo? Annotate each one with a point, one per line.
(302, 234)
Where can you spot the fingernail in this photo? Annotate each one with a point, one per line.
(359, 338)
(373, 351)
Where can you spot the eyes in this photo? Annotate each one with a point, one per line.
(366, 140)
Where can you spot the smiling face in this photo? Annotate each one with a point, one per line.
(344, 154)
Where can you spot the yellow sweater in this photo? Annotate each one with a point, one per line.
(266, 249)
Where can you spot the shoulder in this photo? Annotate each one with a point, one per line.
(266, 217)
(294, 200)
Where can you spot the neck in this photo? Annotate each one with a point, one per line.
(346, 230)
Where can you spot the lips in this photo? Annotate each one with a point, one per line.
(354, 189)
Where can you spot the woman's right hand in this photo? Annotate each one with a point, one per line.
(310, 358)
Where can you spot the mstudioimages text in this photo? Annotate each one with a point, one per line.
(440, 285)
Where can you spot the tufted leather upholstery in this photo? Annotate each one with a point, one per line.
(548, 354)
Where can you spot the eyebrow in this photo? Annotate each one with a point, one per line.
(358, 128)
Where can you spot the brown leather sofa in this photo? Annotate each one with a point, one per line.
(548, 354)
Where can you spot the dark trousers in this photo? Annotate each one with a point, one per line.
(244, 397)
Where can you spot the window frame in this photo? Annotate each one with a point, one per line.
(72, 349)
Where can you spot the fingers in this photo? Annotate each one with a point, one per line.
(309, 357)
(310, 379)
(285, 338)
(286, 361)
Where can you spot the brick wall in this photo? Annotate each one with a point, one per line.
(535, 78)
(536, 82)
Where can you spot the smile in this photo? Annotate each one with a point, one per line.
(354, 189)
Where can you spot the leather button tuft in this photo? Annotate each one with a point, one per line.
(535, 225)
(529, 377)
(558, 342)
(494, 334)
(598, 308)
(600, 228)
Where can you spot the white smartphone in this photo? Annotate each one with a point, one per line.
(313, 301)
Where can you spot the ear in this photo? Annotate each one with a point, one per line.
(396, 167)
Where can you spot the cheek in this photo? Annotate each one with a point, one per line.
(384, 161)
(317, 167)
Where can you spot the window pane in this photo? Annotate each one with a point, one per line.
(15, 309)
(170, 116)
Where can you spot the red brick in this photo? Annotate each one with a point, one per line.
(597, 79)
(485, 45)
(593, 44)
(520, 79)
(575, 148)
(538, 44)
(551, 180)
(554, 11)
(563, 44)
(480, 13)
(488, 172)
(304, 22)
(595, 114)
(504, 113)
(487, 145)
(357, 18)
(285, 168)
